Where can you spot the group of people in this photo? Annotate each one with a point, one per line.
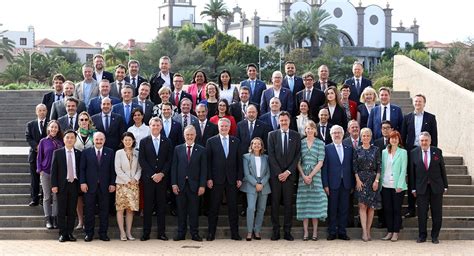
(116, 143)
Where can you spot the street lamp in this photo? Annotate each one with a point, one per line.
(259, 65)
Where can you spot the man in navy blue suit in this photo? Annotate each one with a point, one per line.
(99, 72)
(291, 81)
(125, 108)
(56, 95)
(188, 179)
(171, 128)
(338, 181)
(109, 123)
(271, 118)
(161, 79)
(133, 77)
(238, 109)
(282, 93)
(384, 111)
(357, 82)
(256, 86)
(96, 102)
(143, 101)
(97, 178)
(323, 82)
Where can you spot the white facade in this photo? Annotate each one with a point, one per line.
(182, 14)
(267, 31)
(344, 16)
(402, 38)
(22, 39)
(84, 54)
(374, 27)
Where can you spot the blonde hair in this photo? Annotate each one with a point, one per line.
(261, 142)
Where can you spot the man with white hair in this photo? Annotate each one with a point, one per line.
(283, 93)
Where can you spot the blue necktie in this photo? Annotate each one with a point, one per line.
(156, 144)
(291, 83)
(127, 113)
(274, 122)
(224, 144)
(252, 86)
(167, 128)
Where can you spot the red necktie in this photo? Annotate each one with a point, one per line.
(176, 99)
(354, 143)
(425, 160)
(189, 153)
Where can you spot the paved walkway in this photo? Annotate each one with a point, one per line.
(228, 247)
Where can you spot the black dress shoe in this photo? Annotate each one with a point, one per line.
(163, 237)
(196, 238)
(410, 215)
(331, 237)
(288, 236)
(71, 238)
(179, 238)
(421, 240)
(55, 222)
(242, 213)
(33, 203)
(145, 238)
(104, 238)
(236, 237)
(435, 241)
(275, 236)
(173, 212)
(344, 237)
(63, 239)
(210, 237)
(88, 238)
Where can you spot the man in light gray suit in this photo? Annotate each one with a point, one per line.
(58, 109)
(116, 87)
(87, 88)
(185, 118)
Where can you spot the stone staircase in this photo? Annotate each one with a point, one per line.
(19, 221)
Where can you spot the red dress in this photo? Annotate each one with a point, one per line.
(233, 124)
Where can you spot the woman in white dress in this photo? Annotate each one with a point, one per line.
(228, 91)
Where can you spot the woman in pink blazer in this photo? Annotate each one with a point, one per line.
(197, 88)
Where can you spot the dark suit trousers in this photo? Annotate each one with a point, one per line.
(435, 202)
(188, 206)
(67, 202)
(281, 190)
(411, 198)
(101, 198)
(392, 209)
(154, 195)
(34, 181)
(338, 210)
(217, 193)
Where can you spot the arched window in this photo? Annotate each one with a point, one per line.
(247, 40)
(266, 40)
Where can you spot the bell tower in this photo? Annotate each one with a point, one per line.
(175, 13)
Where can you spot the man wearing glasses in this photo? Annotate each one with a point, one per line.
(178, 93)
(314, 96)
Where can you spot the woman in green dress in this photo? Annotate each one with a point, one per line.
(311, 201)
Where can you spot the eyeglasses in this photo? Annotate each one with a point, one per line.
(308, 79)
(83, 120)
(178, 81)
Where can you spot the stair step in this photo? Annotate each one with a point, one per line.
(14, 188)
(14, 158)
(13, 143)
(15, 167)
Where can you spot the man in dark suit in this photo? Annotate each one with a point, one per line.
(69, 120)
(188, 179)
(338, 181)
(65, 184)
(185, 118)
(143, 101)
(413, 124)
(97, 178)
(171, 128)
(56, 95)
(271, 118)
(133, 78)
(353, 140)
(116, 87)
(291, 81)
(429, 183)
(124, 109)
(323, 82)
(238, 109)
(255, 85)
(35, 131)
(282, 93)
(160, 79)
(204, 128)
(96, 102)
(314, 96)
(324, 126)
(99, 72)
(110, 124)
(384, 111)
(225, 174)
(250, 128)
(155, 159)
(284, 146)
(382, 143)
(357, 82)
(58, 108)
(178, 94)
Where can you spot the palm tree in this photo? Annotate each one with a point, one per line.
(316, 31)
(14, 73)
(115, 55)
(285, 37)
(6, 47)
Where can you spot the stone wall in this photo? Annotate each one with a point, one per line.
(452, 105)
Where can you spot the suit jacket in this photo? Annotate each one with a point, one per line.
(156, 83)
(375, 119)
(118, 109)
(250, 174)
(48, 100)
(428, 125)
(194, 171)
(399, 168)
(96, 102)
(317, 84)
(327, 139)
(179, 119)
(64, 123)
(115, 92)
(105, 75)
(139, 81)
(256, 94)
(93, 92)
(339, 116)
(260, 129)
(96, 174)
(176, 133)
(236, 110)
(298, 84)
(316, 101)
(148, 109)
(59, 168)
(151, 162)
(182, 95)
(124, 170)
(333, 169)
(221, 168)
(281, 161)
(435, 175)
(348, 142)
(33, 137)
(116, 128)
(58, 109)
(267, 119)
(286, 99)
(209, 131)
(355, 95)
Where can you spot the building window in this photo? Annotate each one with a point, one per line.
(23, 41)
(266, 40)
(337, 12)
(374, 20)
(164, 16)
(89, 57)
(247, 40)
